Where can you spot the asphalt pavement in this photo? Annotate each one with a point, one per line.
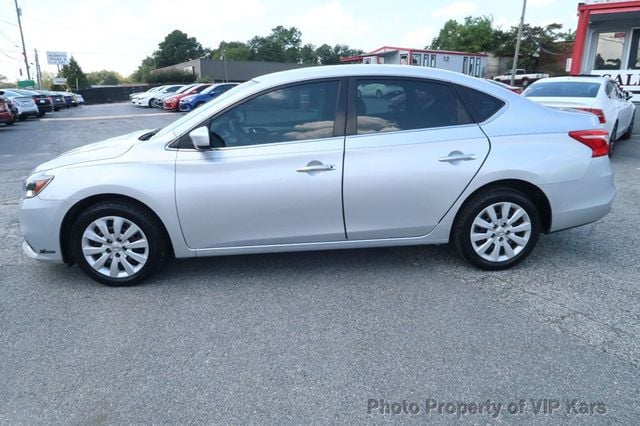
(349, 336)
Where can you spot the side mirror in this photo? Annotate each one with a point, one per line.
(628, 95)
(200, 138)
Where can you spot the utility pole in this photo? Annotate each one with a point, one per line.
(24, 50)
(38, 72)
(515, 56)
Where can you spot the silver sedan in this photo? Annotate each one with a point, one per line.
(299, 161)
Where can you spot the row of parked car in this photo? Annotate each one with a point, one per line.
(180, 97)
(20, 104)
(597, 95)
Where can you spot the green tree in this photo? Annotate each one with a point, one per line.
(282, 45)
(535, 41)
(4, 82)
(232, 51)
(74, 75)
(104, 77)
(144, 70)
(177, 47)
(308, 54)
(473, 35)
(331, 55)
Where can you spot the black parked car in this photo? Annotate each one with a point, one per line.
(43, 102)
(57, 99)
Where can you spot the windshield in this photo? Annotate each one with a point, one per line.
(566, 89)
(186, 88)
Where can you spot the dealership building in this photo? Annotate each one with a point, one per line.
(606, 42)
(473, 64)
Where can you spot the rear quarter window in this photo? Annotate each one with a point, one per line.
(481, 106)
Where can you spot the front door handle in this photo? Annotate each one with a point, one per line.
(457, 156)
(316, 166)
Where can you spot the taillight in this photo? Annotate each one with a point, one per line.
(597, 111)
(596, 139)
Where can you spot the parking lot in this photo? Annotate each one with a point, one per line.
(313, 337)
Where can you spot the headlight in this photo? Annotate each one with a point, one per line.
(35, 184)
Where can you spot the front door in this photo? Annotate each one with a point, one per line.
(275, 177)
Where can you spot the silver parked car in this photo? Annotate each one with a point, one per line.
(298, 161)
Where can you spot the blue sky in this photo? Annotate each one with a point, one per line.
(118, 34)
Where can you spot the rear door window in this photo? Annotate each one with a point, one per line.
(481, 106)
(388, 105)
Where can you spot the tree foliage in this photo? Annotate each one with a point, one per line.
(473, 35)
(104, 78)
(232, 51)
(282, 45)
(177, 47)
(477, 34)
(73, 73)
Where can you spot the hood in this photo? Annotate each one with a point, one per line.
(105, 150)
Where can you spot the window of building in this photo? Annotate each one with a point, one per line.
(416, 59)
(394, 105)
(634, 54)
(609, 51)
(305, 111)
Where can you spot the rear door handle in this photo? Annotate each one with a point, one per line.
(457, 156)
(311, 168)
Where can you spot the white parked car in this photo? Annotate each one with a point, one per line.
(138, 94)
(25, 104)
(297, 161)
(378, 90)
(598, 95)
(150, 99)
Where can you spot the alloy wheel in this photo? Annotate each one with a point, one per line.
(115, 247)
(500, 232)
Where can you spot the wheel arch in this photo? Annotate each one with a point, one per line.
(535, 194)
(82, 205)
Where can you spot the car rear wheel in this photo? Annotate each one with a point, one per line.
(117, 244)
(497, 229)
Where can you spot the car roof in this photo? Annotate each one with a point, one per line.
(361, 70)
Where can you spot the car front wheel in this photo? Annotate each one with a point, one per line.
(117, 244)
(497, 229)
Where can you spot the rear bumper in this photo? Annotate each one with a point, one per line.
(582, 201)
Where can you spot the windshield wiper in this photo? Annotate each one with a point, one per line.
(148, 135)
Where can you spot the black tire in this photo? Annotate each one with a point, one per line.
(152, 103)
(10, 123)
(627, 134)
(461, 235)
(612, 139)
(41, 114)
(158, 248)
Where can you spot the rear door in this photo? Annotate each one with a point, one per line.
(408, 157)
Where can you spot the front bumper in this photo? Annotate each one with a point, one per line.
(40, 226)
(171, 106)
